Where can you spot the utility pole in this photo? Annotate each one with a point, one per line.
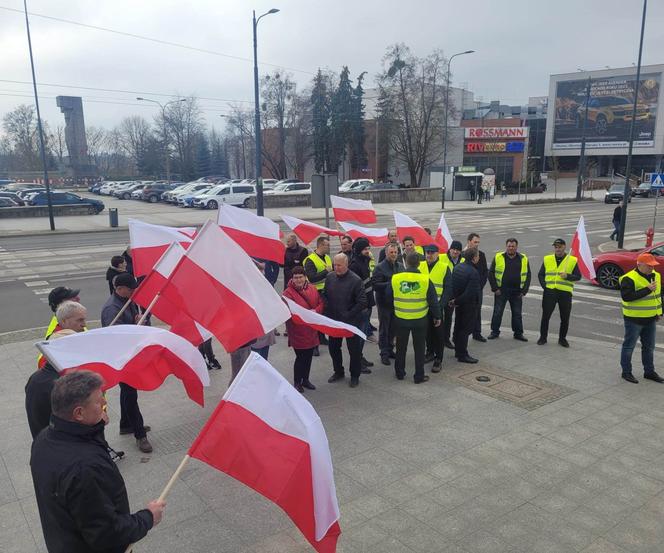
(582, 156)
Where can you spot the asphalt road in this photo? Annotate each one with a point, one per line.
(30, 266)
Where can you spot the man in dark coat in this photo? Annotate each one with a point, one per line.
(382, 280)
(81, 496)
(465, 297)
(360, 264)
(483, 271)
(294, 257)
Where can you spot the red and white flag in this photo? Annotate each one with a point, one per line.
(152, 285)
(220, 287)
(149, 242)
(581, 250)
(345, 209)
(141, 356)
(258, 236)
(377, 236)
(302, 316)
(307, 230)
(407, 227)
(265, 434)
(443, 236)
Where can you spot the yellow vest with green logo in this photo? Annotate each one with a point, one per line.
(551, 270)
(648, 306)
(500, 268)
(320, 267)
(437, 275)
(410, 295)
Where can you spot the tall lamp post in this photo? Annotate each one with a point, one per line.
(257, 115)
(582, 153)
(447, 111)
(40, 128)
(163, 118)
(627, 191)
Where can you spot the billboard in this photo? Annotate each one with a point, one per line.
(496, 132)
(609, 112)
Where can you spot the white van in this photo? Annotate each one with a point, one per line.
(233, 194)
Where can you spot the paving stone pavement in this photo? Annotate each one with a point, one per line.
(425, 468)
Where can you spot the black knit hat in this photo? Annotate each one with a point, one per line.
(360, 244)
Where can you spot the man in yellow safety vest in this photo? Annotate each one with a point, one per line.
(641, 293)
(440, 275)
(317, 265)
(557, 275)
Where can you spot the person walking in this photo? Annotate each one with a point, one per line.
(413, 296)
(208, 354)
(131, 419)
(81, 495)
(641, 293)
(382, 280)
(361, 265)
(118, 266)
(439, 274)
(294, 257)
(509, 277)
(302, 338)
(466, 292)
(615, 221)
(482, 267)
(557, 275)
(345, 301)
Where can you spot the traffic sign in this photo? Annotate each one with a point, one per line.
(657, 180)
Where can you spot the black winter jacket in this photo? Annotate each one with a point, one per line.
(466, 288)
(382, 278)
(38, 398)
(360, 266)
(81, 496)
(344, 298)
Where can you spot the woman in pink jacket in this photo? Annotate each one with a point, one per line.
(303, 339)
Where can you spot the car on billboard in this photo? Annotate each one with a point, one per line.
(610, 110)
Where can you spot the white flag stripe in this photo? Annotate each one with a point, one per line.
(145, 235)
(246, 221)
(347, 203)
(260, 389)
(444, 230)
(293, 222)
(169, 259)
(403, 220)
(366, 231)
(309, 316)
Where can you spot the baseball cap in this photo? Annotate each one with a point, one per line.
(431, 248)
(125, 279)
(60, 294)
(647, 259)
(558, 242)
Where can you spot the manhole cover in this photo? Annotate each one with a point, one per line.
(482, 378)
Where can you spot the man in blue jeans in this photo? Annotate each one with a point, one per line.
(641, 293)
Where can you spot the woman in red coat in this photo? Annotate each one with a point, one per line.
(303, 339)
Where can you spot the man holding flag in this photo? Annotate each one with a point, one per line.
(557, 275)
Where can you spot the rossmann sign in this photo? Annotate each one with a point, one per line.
(496, 132)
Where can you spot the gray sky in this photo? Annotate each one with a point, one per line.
(518, 44)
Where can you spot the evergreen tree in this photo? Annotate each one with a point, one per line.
(358, 155)
(218, 161)
(340, 119)
(320, 115)
(202, 156)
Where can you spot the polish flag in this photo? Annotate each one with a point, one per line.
(258, 236)
(141, 356)
(443, 236)
(149, 242)
(581, 250)
(302, 316)
(407, 227)
(218, 285)
(345, 209)
(307, 230)
(376, 236)
(268, 436)
(152, 285)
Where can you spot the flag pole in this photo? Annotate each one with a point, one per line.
(167, 489)
(148, 309)
(124, 308)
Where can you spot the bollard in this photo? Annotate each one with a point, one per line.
(113, 217)
(650, 234)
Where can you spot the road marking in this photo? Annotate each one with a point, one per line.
(41, 291)
(37, 283)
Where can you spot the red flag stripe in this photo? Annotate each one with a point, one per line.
(357, 215)
(257, 246)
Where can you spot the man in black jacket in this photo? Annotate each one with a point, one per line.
(615, 221)
(465, 297)
(360, 264)
(483, 271)
(294, 257)
(345, 301)
(382, 280)
(81, 496)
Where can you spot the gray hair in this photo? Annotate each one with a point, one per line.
(67, 309)
(341, 257)
(73, 390)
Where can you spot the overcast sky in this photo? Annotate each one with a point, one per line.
(518, 44)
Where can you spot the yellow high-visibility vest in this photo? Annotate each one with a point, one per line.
(410, 295)
(320, 267)
(52, 325)
(551, 271)
(500, 268)
(437, 275)
(648, 306)
(419, 249)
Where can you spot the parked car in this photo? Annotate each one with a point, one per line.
(199, 199)
(12, 196)
(168, 195)
(24, 194)
(126, 193)
(118, 190)
(382, 186)
(269, 184)
(67, 198)
(354, 184)
(7, 202)
(16, 186)
(290, 188)
(152, 192)
(645, 190)
(233, 194)
(194, 188)
(5, 182)
(186, 199)
(96, 187)
(286, 181)
(610, 266)
(615, 194)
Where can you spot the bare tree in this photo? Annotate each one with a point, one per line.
(278, 93)
(59, 144)
(20, 126)
(298, 146)
(132, 136)
(241, 127)
(185, 123)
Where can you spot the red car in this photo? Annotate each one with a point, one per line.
(612, 265)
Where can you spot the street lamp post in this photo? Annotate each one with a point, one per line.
(163, 118)
(257, 116)
(447, 111)
(582, 154)
(627, 191)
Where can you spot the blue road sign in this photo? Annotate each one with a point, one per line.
(657, 180)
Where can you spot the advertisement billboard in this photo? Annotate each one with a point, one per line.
(496, 132)
(609, 112)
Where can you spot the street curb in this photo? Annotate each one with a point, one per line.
(606, 247)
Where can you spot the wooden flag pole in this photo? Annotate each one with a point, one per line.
(167, 489)
(148, 309)
(124, 308)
